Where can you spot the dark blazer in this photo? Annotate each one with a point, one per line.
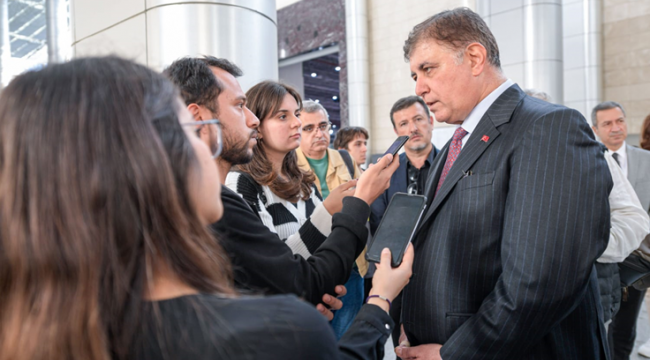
(398, 183)
(504, 256)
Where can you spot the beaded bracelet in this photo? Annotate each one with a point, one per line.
(380, 297)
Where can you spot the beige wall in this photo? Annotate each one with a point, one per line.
(626, 44)
(389, 25)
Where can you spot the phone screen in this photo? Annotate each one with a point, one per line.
(397, 227)
(394, 148)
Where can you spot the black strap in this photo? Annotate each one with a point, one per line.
(347, 159)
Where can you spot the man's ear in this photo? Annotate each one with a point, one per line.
(195, 110)
(477, 56)
(431, 119)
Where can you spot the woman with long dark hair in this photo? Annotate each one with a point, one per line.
(105, 194)
(284, 195)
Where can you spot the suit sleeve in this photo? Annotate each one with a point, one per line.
(556, 225)
(262, 262)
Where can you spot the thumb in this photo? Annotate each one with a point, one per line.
(385, 257)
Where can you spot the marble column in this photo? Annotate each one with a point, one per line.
(157, 32)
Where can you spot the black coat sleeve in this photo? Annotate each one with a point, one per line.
(263, 263)
(366, 337)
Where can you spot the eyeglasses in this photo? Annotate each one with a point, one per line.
(324, 127)
(216, 145)
(413, 174)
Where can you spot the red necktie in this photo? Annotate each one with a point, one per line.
(454, 150)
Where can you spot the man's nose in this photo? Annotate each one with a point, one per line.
(251, 120)
(420, 87)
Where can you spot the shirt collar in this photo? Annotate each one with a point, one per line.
(477, 113)
(429, 159)
(622, 150)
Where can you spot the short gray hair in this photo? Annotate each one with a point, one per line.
(538, 94)
(310, 107)
(605, 105)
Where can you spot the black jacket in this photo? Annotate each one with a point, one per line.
(609, 284)
(206, 326)
(263, 263)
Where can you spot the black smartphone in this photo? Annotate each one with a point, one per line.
(397, 227)
(394, 148)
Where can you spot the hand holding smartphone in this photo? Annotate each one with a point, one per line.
(397, 145)
(397, 227)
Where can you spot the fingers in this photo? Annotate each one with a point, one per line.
(385, 260)
(385, 161)
(348, 185)
(325, 312)
(407, 259)
(340, 290)
(332, 302)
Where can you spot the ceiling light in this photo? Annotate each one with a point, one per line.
(331, 131)
(335, 97)
(314, 74)
(338, 68)
(317, 101)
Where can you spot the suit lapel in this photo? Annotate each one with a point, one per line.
(499, 113)
(632, 166)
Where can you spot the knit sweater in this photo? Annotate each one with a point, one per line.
(303, 226)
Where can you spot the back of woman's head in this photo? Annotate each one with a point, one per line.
(645, 133)
(90, 207)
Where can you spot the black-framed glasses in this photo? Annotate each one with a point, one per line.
(413, 175)
(324, 127)
(216, 144)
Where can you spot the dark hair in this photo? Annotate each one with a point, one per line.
(91, 207)
(645, 134)
(197, 83)
(345, 135)
(407, 102)
(456, 29)
(264, 100)
(605, 105)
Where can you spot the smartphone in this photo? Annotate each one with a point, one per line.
(394, 149)
(397, 227)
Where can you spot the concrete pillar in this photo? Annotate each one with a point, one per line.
(58, 35)
(356, 37)
(529, 35)
(157, 32)
(5, 45)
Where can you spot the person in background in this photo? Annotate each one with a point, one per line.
(409, 116)
(330, 171)
(354, 140)
(106, 249)
(610, 125)
(284, 195)
(538, 94)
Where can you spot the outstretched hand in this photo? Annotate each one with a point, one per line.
(376, 179)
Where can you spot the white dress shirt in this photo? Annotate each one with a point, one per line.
(477, 113)
(622, 157)
(630, 223)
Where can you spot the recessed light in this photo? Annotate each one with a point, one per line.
(338, 68)
(314, 74)
(331, 131)
(317, 101)
(335, 97)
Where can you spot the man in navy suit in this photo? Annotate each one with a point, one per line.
(518, 212)
(409, 116)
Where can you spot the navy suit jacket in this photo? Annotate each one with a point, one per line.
(398, 183)
(504, 257)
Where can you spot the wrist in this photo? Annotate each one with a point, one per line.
(378, 300)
